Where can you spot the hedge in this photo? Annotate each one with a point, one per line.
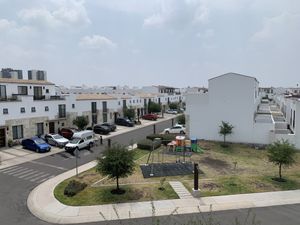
(74, 187)
(165, 138)
(147, 144)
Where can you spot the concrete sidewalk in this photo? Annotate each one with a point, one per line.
(17, 155)
(42, 203)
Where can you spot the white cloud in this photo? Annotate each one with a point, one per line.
(208, 33)
(178, 13)
(283, 27)
(6, 25)
(65, 13)
(97, 42)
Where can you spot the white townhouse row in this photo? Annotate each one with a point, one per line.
(237, 99)
(36, 106)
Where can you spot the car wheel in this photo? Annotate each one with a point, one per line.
(167, 132)
(181, 132)
(90, 145)
(37, 150)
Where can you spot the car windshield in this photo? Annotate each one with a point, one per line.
(75, 141)
(39, 141)
(57, 136)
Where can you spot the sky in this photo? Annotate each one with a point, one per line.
(149, 42)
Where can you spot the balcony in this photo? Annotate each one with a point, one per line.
(48, 98)
(12, 98)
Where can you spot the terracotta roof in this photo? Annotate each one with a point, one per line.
(82, 97)
(19, 81)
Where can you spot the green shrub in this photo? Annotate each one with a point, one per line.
(147, 144)
(165, 138)
(74, 187)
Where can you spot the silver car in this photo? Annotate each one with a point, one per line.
(56, 140)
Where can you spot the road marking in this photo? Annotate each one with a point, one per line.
(49, 165)
(21, 173)
(34, 175)
(28, 174)
(39, 177)
(9, 172)
(8, 168)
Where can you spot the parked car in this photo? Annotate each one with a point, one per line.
(177, 129)
(67, 132)
(124, 122)
(100, 129)
(80, 140)
(112, 127)
(36, 144)
(150, 116)
(172, 111)
(56, 140)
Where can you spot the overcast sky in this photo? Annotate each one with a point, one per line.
(144, 42)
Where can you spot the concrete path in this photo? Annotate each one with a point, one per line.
(42, 203)
(180, 190)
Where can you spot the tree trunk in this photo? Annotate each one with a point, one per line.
(118, 188)
(280, 177)
(224, 138)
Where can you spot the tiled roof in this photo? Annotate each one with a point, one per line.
(81, 97)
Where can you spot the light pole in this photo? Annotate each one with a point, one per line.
(76, 160)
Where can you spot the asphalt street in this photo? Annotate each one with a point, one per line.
(16, 183)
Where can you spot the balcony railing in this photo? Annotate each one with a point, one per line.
(49, 98)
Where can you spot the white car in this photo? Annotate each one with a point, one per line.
(177, 129)
(171, 111)
(80, 140)
(56, 140)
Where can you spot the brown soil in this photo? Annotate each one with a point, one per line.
(216, 164)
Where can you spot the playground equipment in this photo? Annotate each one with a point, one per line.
(194, 146)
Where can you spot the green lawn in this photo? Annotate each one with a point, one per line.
(234, 170)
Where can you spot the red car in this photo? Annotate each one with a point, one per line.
(67, 132)
(149, 116)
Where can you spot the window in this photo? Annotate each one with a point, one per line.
(22, 109)
(17, 132)
(47, 91)
(2, 92)
(39, 129)
(37, 93)
(104, 117)
(46, 108)
(32, 109)
(62, 111)
(104, 107)
(119, 103)
(5, 111)
(22, 90)
(73, 106)
(94, 107)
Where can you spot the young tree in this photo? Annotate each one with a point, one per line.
(281, 153)
(117, 162)
(81, 122)
(129, 113)
(154, 107)
(173, 105)
(225, 129)
(181, 119)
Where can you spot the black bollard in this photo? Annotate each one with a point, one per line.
(154, 129)
(196, 176)
(101, 140)
(109, 142)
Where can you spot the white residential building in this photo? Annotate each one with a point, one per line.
(236, 99)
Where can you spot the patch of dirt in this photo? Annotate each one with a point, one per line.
(206, 145)
(260, 185)
(217, 164)
(210, 186)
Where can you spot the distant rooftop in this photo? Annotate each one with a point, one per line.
(21, 81)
